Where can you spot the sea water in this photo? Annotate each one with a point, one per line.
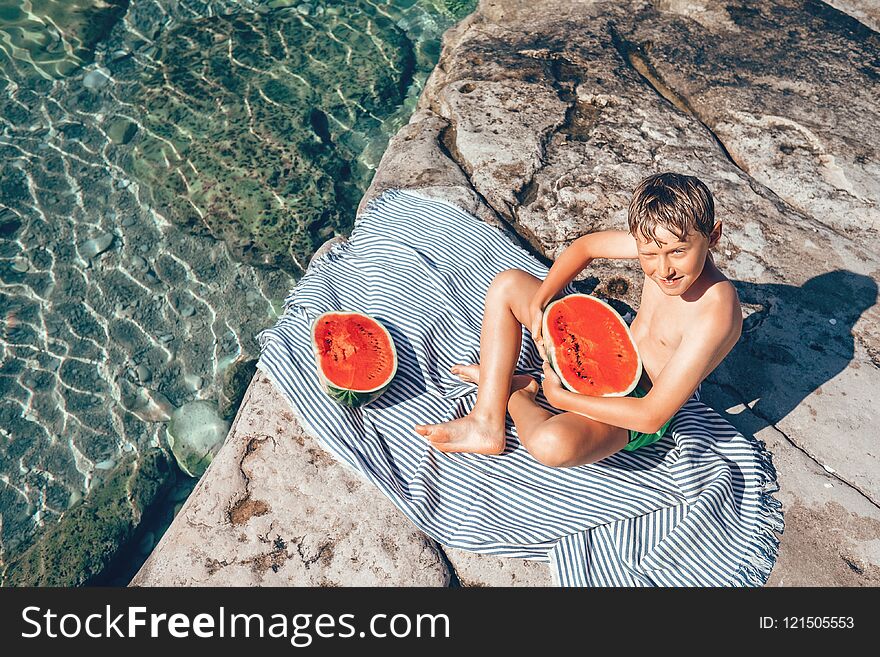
(168, 168)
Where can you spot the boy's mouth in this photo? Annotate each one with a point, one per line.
(670, 281)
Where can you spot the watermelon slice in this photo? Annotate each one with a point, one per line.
(355, 356)
(590, 347)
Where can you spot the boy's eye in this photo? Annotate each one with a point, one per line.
(679, 251)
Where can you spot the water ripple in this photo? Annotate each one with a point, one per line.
(166, 170)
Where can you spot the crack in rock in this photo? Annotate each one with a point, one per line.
(637, 57)
(565, 78)
(244, 508)
(446, 142)
(325, 548)
(738, 395)
(454, 579)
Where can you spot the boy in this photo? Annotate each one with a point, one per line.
(688, 320)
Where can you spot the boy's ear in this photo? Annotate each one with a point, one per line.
(715, 235)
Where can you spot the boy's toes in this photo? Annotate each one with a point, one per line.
(469, 373)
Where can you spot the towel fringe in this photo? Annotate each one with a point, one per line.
(374, 203)
(756, 570)
(315, 265)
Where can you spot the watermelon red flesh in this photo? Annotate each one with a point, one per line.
(590, 347)
(354, 352)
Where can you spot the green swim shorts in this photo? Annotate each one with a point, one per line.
(638, 439)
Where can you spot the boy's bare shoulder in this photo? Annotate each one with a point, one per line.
(719, 305)
(721, 290)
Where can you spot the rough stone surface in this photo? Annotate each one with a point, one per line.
(790, 110)
(865, 11)
(541, 116)
(274, 509)
(475, 569)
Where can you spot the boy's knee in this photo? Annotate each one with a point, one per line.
(507, 281)
(553, 449)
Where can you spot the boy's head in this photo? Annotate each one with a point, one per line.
(672, 218)
(680, 204)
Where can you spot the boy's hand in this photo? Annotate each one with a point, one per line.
(553, 389)
(536, 328)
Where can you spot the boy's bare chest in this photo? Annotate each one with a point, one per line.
(657, 330)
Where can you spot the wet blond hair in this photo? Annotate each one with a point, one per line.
(681, 204)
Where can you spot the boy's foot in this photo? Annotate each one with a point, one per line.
(472, 433)
(466, 434)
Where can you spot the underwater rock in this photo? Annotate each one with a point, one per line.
(121, 131)
(193, 382)
(85, 538)
(54, 38)
(96, 79)
(143, 373)
(151, 406)
(236, 379)
(97, 245)
(196, 431)
(275, 165)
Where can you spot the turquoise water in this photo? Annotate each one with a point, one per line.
(168, 167)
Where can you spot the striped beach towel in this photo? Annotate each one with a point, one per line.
(694, 509)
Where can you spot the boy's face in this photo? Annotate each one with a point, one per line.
(676, 263)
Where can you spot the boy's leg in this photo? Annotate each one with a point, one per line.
(563, 440)
(506, 310)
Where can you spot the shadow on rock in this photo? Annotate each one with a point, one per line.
(796, 339)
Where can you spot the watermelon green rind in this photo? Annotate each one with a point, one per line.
(551, 355)
(352, 398)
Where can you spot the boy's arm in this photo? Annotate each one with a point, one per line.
(578, 254)
(697, 355)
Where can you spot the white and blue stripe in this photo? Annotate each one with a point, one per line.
(693, 509)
